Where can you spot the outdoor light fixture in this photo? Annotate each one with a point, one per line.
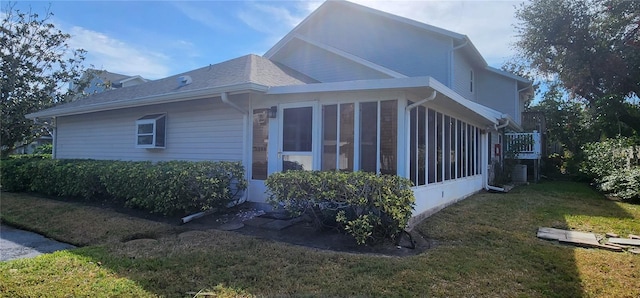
(273, 112)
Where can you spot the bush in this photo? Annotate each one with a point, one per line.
(370, 208)
(614, 165)
(175, 187)
(624, 184)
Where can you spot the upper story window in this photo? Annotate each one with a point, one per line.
(471, 80)
(150, 131)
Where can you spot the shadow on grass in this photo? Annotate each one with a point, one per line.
(486, 246)
(494, 236)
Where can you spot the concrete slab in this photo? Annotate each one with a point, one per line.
(18, 244)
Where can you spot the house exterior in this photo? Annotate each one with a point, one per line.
(102, 80)
(350, 88)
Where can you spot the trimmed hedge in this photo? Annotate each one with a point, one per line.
(170, 188)
(369, 207)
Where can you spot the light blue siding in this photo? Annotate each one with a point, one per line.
(196, 130)
(399, 47)
(462, 76)
(497, 92)
(322, 65)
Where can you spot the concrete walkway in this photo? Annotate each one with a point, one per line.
(18, 244)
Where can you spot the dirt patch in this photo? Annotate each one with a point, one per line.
(304, 233)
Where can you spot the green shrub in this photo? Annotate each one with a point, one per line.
(614, 165)
(369, 207)
(624, 184)
(176, 187)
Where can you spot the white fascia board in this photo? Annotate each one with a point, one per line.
(486, 112)
(351, 57)
(508, 75)
(377, 84)
(150, 100)
(489, 114)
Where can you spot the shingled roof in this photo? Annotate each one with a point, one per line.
(246, 70)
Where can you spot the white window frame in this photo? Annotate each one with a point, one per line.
(154, 120)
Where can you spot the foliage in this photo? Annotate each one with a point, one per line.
(369, 207)
(175, 187)
(614, 164)
(592, 47)
(484, 246)
(44, 149)
(36, 61)
(624, 184)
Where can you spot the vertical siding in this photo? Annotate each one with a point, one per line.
(196, 130)
(462, 76)
(396, 46)
(497, 92)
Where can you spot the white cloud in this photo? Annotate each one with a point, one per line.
(275, 19)
(114, 55)
(201, 15)
(489, 24)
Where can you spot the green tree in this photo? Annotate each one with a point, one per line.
(568, 121)
(593, 47)
(36, 63)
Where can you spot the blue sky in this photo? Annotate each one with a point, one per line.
(156, 39)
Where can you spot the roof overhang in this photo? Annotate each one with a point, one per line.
(426, 84)
(150, 100)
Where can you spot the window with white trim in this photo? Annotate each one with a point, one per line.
(151, 131)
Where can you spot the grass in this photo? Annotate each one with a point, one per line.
(484, 246)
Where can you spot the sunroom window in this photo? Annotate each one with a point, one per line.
(150, 131)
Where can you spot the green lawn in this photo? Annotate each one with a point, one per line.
(486, 246)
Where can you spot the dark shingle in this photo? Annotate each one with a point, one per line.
(245, 69)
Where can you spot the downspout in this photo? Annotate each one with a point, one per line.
(505, 124)
(464, 44)
(525, 88)
(415, 104)
(407, 124)
(497, 127)
(453, 49)
(225, 99)
(245, 116)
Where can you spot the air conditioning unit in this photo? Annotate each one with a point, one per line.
(519, 174)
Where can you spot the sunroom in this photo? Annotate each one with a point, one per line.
(413, 127)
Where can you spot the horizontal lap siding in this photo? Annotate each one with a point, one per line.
(196, 130)
(400, 47)
(462, 76)
(324, 66)
(497, 92)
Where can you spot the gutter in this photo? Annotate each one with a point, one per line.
(497, 127)
(225, 98)
(525, 88)
(505, 124)
(415, 104)
(151, 100)
(464, 44)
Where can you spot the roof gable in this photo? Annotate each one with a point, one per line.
(375, 20)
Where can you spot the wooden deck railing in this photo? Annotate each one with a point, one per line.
(525, 145)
